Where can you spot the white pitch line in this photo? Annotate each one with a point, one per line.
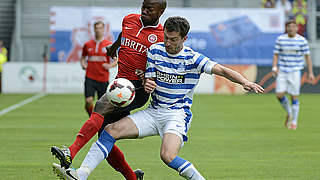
(24, 102)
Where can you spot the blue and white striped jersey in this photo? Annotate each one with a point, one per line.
(176, 75)
(291, 52)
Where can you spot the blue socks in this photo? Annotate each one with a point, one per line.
(185, 169)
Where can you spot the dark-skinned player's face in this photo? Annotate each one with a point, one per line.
(150, 12)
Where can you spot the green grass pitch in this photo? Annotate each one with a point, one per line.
(231, 138)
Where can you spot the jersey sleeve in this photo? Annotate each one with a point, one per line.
(276, 49)
(84, 50)
(203, 63)
(150, 69)
(305, 47)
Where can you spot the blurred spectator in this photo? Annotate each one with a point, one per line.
(284, 5)
(268, 3)
(3, 58)
(299, 11)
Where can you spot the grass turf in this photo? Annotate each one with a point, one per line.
(231, 138)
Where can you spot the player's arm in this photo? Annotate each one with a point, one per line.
(112, 49)
(309, 65)
(114, 62)
(107, 66)
(83, 62)
(276, 51)
(236, 77)
(150, 85)
(274, 70)
(150, 73)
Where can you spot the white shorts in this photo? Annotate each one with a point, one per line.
(153, 121)
(288, 82)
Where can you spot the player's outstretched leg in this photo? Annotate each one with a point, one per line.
(97, 153)
(63, 154)
(69, 174)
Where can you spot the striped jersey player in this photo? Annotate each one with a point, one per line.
(172, 73)
(176, 75)
(290, 52)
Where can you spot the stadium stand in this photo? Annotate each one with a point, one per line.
(33, 24)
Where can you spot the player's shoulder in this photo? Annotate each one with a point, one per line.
(90, 42)
(159, 45)
(193, 55)
(131, 17)
(188, 51)
(283, 36)
(299, 37)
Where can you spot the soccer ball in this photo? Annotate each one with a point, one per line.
(120, 92)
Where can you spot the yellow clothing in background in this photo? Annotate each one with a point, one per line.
(3, 57)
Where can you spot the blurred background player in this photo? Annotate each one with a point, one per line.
(3, 58)
(172, 83)
(289, 53)
(97, 64)
(139, 32)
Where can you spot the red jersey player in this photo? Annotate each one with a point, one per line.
(97, 65)
(138, 33)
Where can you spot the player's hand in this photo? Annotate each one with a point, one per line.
(106, 66)
(250, 86)
(150, 85)
(274, 71)
(310, 77)
(140, 75)
(84, 66)
(111, 52)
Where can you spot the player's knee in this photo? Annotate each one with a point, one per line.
(103, 107)
(167, 157)
(98, 106)
(89, 100)
(113, 129)
(280, 95)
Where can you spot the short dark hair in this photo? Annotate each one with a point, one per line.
(177, 24)
(98, 22)
(163, 4)
(290, 22)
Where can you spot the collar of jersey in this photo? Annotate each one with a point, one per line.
(156, 26)
(95, 40)
(179, 53)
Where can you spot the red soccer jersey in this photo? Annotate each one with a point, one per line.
(135, 41)
(96, 52)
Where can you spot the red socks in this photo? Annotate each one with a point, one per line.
(115, 159)
(89, 109)
(118, 162)
(87, 131)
